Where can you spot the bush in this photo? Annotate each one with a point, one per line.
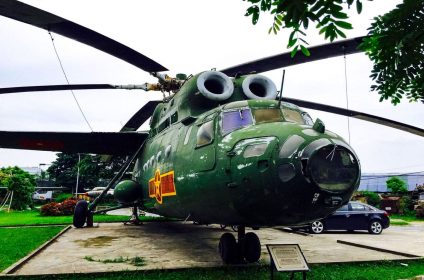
(372, 198)
(51, 209)
(67, 207)
(406, 206)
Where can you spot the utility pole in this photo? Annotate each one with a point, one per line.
(78, 170)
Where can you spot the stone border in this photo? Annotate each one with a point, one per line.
(378, 249)
(14, 267)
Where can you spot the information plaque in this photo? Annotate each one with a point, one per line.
(287, 258)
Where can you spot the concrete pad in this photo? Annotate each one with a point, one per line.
(181, 245)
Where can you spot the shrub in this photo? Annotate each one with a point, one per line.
(51, 209)
(372, 198)
(68, 206)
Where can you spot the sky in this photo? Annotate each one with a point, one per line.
(186, 36)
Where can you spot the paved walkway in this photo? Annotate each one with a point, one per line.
(179, 245)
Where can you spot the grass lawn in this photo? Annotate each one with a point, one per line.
(372, 270)
(16, 243)
(33, 217)
(407, 218)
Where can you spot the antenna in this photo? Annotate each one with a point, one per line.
(281, 88)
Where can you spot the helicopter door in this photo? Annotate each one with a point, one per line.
(250, 157)
(204, 153)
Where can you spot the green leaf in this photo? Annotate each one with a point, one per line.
(305, 51)
(358, 6)
(343, 24)
(340, 15)
(294, 51)
(340, 33)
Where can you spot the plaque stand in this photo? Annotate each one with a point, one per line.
(287, 258)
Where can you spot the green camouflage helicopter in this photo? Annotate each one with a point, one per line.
(222, 148)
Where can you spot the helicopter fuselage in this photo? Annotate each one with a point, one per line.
(252, 162)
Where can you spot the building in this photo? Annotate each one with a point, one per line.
(376, 182)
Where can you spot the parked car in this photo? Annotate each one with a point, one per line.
(95, 192)
(353, 216)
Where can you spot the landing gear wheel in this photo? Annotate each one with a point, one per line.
(228, 248)
(252, 247)
(80, 213)
(317, 227)
(375, 227)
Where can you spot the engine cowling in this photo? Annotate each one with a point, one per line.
(128, 192)
(215, 85)
(259, 87)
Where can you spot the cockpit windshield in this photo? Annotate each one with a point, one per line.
(292, 116)
(267, 115)
(232, 120)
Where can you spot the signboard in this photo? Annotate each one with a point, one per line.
(287, 257)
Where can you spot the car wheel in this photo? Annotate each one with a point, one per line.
(317, 227)
(375, 227)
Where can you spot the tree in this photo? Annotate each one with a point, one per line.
(396, 185)
(395, 40)
(21, 183)
(91, 169)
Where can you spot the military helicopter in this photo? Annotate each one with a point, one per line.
(222, 148)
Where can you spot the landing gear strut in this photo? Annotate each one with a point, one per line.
(246, 249)
(134, 220)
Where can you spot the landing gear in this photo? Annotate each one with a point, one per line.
(80, 213)
(247, 249)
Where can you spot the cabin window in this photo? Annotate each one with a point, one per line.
(205, 134)
(187, 137)
(233, 120)
(168, 151)
(308, 120)
(174, 117)
(159, 156)
(267, 115)
(292, 116)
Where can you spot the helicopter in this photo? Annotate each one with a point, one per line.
(223, 146)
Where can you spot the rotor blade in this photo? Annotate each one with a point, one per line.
(28, 14)
(111, 143)
(339, 48)
(357, 115)
(71, 87)
(55, 88)
(140, 117)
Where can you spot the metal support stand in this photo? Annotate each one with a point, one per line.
(134, 220)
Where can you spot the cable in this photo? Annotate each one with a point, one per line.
(411, 174)
(64, 73)
(347, 97)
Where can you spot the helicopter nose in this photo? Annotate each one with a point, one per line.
(331, 165)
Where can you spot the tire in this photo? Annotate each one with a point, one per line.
(375, 227)
(80, 213)
(252, 247)
(316, 227)
(228, 248)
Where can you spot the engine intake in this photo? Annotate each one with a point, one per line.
(215, 85)
(259, 87)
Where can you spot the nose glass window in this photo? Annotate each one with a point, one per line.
(205, 134)
(334, 168)
(267, 115)
(233, 120)
(292, 116)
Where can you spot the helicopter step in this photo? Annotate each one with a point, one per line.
(247, 249)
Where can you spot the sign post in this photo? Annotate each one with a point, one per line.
(287, 258)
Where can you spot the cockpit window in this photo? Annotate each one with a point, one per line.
(233, 120)
(267, 115)
(205, 134)
(308, 120)
(292, 116)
